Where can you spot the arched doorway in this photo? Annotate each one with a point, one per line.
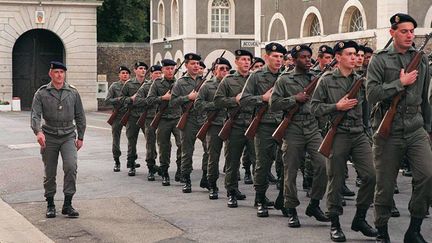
(31, 55)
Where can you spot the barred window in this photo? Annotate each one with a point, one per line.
(315, 28)
(220, 16)
(356, 21)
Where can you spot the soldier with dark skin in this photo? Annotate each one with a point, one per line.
(410, 129)
(255, 94)
(302, 135)
(350, 140)
(227, 97)
(59, 104)
(182, 93)
(205, 104)
(115, 98)
(141, 101)
(160, 92)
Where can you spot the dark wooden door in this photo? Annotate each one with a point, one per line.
(31, 56)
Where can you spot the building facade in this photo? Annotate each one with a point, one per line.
(32, 33)
(210, 26)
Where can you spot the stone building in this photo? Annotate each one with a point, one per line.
(32, 33)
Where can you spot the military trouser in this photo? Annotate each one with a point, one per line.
(388, 154)
(214, 145)
(357, 146)
(235, 145)
(132, 132)
(306, 165)
(188, 138)
(279, 166)
(249, 156)
(265, 148)
(65, 145)
(165, 129)
(116, 129)
(150, 136)
(294, 148)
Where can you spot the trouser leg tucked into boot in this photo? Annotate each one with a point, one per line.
(413, 233)
(336, 233)
(213, 190)
(232, 199)
(260, 202)
(204, 182)
(67, 207)
(293, 221)
(51, 211)
(116, 165)
(187, 187)
(359, 223)
(314, 209)
(383, 236)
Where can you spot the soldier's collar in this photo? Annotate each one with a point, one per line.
(337, 73)
(51, 86)
(297, 72)
(266, 69)
(392, 50)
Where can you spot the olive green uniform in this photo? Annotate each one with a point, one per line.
(409, 131)
(301, 135)
(179, 97)
(59, 108)
(115, 98)
(265, 146)
(167, 124)
(350, 141)
(225, 95)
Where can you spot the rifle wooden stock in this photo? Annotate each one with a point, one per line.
(386, 123)
(141, 119)
(125, 118)
(327, 143)
(156, 120)
(113, 116)
(201, 135)
(252, 129)
(227, 127)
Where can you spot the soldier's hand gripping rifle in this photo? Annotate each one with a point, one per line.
(163, 106)
(386, 123)
(183, 119)
(116, 111)
(252, 129)
(279, 133)
(201, 135)
(327, 143)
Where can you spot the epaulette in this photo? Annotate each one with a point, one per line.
(42, 87)
(73, 87)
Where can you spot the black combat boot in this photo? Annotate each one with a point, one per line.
(279, 204)
(269, 203)
(336, 233)
(51, 211)
(232, 199)
(204, 182)
(213, 191)
(413, 234)
(383, 236)
(240, 195)
(68, 209)
(346, 192)
(151, 173)
(187, 187)
(314, 209)
(165, 178)
(293, 221)
(359, 223)
(248, 176)
(132, 170)
(260, 203)
(116, 165)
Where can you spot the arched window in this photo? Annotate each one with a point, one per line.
(175, 19)
(220, 16)
(315, 28)
(311, 24)
(161, 21)
(356, 21)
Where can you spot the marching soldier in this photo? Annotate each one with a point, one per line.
(257, 64)
(59, 104)
(302, 135)
(256, 93)
(160, 92)
(350, 140)
(409, 131)
(325, 56)
(204, 103)
(114, 98)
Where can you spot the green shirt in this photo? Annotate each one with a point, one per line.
(205, 101)
(158, 88)
(141, 99)
(114, 96)
(130, 88)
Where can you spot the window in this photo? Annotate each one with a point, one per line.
(220, 16)
(315, 28)
(175, 19)
(356, 21)
(161, 22)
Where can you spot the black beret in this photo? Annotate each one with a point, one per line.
(275, 47)
(57, 65)
(368, 50)
(192, 56)
(258, 59)
(325, 49)
(124, 68)
(155, 68)
(140, 64)
(402, 18)
(362, 48)
(296, 49)
(241, 52)
(202, 64)
(223, 61)
(345, 44)
(168, 62)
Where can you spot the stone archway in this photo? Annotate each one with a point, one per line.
(31, 55)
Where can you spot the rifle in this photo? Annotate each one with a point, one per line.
(116, 111)
(280, 130)
(386, 123)
(226, 129)
(201, 135)
(327, 143)
(163, 106)
(125, 118)
(183, 119)
(141, 120)
(251, 130)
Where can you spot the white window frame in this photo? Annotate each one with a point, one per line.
(307, 21)
(231, 25)
(346, 14)
(175, 18)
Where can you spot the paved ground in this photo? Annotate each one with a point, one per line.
(118, 208)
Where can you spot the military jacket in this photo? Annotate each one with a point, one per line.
(115, 97)
(331, 88)
(230, 86)
(142, 101)
(158, 88)
(205, 100)
(179, 95)
(383, 83)
(58, 108)
(256, 85)
(283, 99)
(131, 88)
